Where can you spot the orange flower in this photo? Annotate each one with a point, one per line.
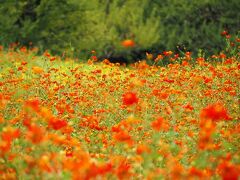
(130, 98)
(53, 58)
(200, 60)
(37, 70)
(184, 63)
(188, 107)
(205, 140)
(44, 163)
(159, 124)
(94, 58)
(123, 170)
(56, 123)
(142, 148)
(123, 136)
(167, 53)
(35, 134)
(99, 170)
(1, 119)
(228, 171)
(214, 112)
(4, 147)
(128, 43)
(10, 133)
(158, 58)
(47, 54)
(195, 172)
(33, 103)
(23, 63)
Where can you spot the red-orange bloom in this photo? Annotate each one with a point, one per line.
(195, 172)
(35, 134)
(123, 170)
(123, 136)
(159, 124)
(130, 98)
(10, 133)
(99, 170)
(188, 107)
(214, 112)
(56, 123)
(128, 43)
(142, 148)
(34, 104)
(167, 53)
(208, 127)
(228, 171)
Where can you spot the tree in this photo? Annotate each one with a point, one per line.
(114, 21)
(10, 11)
(196, 24)
(81, 26)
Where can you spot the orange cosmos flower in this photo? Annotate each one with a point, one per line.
(44, 163)
(123, 170)
(33, 103)
(37, 70)
(195, 172)
(23, 63)
(56, 123)
(207, 128)
(123, 136)
(188, 107)
(129, 98)
(94, 58)
(159, 124)
(229, 171)
(47, 54)
(35, 134)
(142, 148)
(214, 112)
(10, 133)
(184, 63)
(167, 53)
(100, 170)
(128, 43)
(53, 59)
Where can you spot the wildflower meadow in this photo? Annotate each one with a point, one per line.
(65, 119)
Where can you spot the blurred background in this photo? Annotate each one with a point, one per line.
(76, 27)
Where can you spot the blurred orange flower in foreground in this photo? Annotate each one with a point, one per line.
(160, 124)
(128, 43)
(215, 112)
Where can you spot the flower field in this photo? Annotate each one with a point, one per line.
(98, 120)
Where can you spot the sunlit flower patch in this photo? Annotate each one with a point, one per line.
(68, 120)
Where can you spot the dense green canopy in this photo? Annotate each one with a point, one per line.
(77, 27)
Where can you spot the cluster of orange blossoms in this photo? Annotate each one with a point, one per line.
(68, 120)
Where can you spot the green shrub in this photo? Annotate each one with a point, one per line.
(197, 24)
(77, 27)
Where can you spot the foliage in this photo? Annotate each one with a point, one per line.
(197, 24)
(78, 27)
